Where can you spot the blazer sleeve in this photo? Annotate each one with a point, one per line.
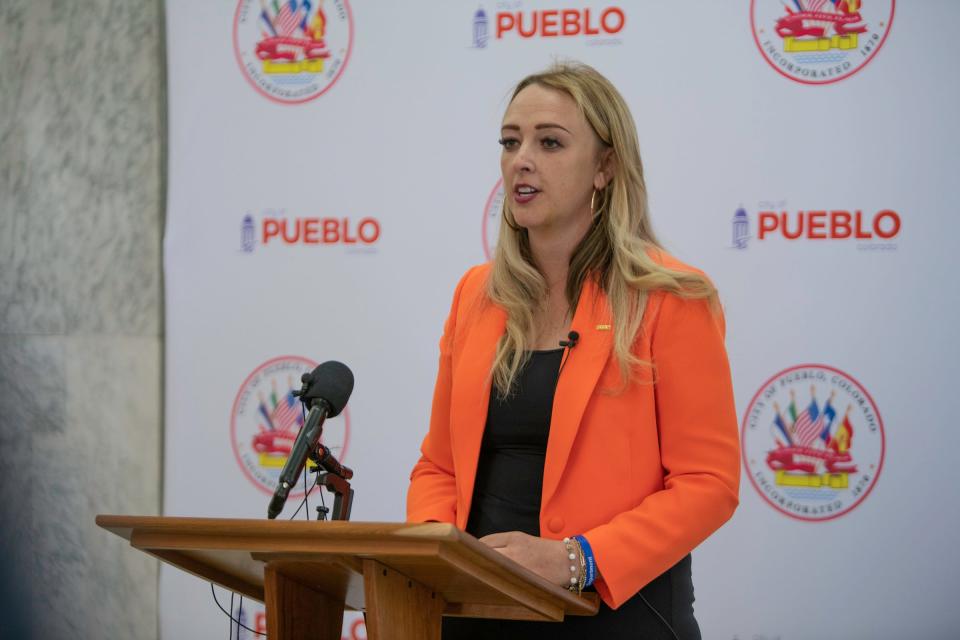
(432, 494)
(699, 452)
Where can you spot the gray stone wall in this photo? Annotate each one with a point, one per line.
(82, 102)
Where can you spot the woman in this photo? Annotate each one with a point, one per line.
(603, 463)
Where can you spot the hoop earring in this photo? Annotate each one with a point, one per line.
(597, 212)
(506, 220)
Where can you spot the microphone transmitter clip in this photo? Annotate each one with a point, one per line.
(572, 338)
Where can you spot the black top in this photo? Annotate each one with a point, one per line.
(509, 482)
(506, 497)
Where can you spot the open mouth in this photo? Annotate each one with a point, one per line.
(524, 193)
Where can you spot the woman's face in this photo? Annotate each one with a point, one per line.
(551, 163)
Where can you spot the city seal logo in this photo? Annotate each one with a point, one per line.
(266, 419)
(492, 216)
(813, 442)
(292, 51)
(820, 41)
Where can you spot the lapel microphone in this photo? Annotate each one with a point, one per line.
(567, 345)
(572, 338)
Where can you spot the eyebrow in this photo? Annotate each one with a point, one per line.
(544, 125)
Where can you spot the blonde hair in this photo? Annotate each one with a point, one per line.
(615, 250)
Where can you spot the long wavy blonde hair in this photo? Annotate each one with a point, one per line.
(616, 251)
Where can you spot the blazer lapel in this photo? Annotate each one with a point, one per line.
(470, 397)
(581, 371)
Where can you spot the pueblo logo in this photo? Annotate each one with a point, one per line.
(548, 23)
(828, 225)
(283, 230)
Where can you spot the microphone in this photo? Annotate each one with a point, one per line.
(325, 392)
(572, 338)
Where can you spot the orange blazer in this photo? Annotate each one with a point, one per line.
(645, 474)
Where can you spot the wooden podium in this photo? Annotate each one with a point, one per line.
(405, 576)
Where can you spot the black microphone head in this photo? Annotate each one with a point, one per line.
(573, 336)
(331, 382)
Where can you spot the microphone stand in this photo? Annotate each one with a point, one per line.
(331, 474)
(335, 478)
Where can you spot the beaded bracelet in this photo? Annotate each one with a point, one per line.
(575, 556)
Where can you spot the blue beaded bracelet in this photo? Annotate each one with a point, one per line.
(588, 558)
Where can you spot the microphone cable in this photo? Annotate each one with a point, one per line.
(660, 617)
(230, 615)
(306, 471)
(306, 467)
(304, 501)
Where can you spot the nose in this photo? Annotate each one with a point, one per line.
(523, 160)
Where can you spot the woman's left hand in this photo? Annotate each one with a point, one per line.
(547, 558)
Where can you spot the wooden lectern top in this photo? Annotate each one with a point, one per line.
(330, 557)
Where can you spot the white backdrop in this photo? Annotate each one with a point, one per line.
(390, 141)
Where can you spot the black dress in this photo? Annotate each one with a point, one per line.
(506, 497)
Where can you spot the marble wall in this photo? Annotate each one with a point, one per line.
(82, 95)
